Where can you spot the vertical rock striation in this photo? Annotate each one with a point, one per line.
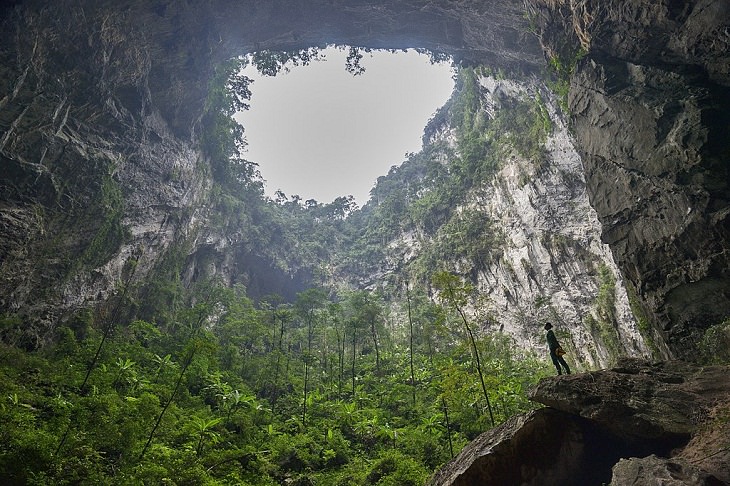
(649, 104)
(553, 265)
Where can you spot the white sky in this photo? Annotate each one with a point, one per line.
(320, 132)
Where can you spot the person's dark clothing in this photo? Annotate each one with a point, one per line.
(553, 344)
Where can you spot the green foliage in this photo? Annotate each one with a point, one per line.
(563, 65)
(162, 293)
(456, 293)
(271, 63)
(524, 125)
(203, 385)
(642, 321)
(393, 468)
(605, 321)
(714, 347)
(111, 233)
(222, 138)
(470, 235)
(431, 196)
(191, 402)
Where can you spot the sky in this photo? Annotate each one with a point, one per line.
(319, 132)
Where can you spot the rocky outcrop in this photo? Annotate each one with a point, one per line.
(552, 263)
(103, 178)
(96, 187)
(545, 447)
(656, 471)
(548, 261)
(633, 423)
(640, 401)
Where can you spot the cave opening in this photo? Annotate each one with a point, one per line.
(330, 126)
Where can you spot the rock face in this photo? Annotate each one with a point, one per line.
(552, 263)
(655, 471)
(101, 101)
(544, 447)
(640, 401)
(548, 262)
(597, 421)
(648, 102)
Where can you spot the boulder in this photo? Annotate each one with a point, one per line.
(670, 418)
(639, 400)
(542, 447)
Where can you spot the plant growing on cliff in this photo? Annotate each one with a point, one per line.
(714, 347)
(562, 66)
(223, 137)
(604, 324)
(111, 233)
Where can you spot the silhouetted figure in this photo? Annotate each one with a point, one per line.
(556, 352)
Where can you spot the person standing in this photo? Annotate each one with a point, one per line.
(556, 351)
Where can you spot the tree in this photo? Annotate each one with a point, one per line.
(284, 315)
(203, 428)
(410, 342)
(335, 312)
(307, 305)
(367, 314)
(454, 292)
(195, 317)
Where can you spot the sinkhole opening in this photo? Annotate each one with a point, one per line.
(331, 126)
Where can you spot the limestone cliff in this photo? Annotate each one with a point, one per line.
(649, 107)
(101, 103)
(546, 260)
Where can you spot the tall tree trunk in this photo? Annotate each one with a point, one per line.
(410, 337)
(354, 336)
(109, 325)
(377, 349)
(479, 363)
(306, 379)
(307, 358)
(340, 358)
(448, 426)
(188, 360)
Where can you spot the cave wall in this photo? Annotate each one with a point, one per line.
(101, 103)
(546, 260)
(649, 105)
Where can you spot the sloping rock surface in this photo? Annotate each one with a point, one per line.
(638, 400)
(656, 471)
(594, 420)
(542, 447)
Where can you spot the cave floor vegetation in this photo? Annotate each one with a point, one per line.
(228, 392)
(164, 322)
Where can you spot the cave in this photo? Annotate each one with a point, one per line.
(550, 447)
(647, 98)
(105, 192)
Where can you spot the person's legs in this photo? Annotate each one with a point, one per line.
(554, 357)
(565, 365)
